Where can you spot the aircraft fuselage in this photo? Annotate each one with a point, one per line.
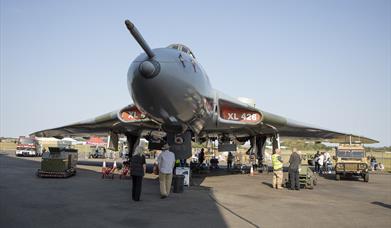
(171, 88)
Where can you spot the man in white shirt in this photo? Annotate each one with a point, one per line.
(326, 161)
(320, 162)
(166, 162)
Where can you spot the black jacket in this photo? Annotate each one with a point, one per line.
(136, 165)
(294, 161)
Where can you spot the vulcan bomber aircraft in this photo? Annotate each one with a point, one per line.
(174, 102)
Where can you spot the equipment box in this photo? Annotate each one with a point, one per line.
(58, 162)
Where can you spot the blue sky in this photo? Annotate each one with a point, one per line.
(326, 63)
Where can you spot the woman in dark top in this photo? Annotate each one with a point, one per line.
(137, 168)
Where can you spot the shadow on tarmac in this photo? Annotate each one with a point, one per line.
(196, 179)
(382, 204)
(343, 178)
(87, 200)
(267, 184)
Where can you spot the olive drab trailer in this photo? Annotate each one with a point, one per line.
(351, 161)
(307, 178)
(58, 162)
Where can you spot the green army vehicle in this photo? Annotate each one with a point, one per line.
(58, 162)
(307, 177)
(351, 161)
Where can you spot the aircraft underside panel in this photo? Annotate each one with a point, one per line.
(180, 144)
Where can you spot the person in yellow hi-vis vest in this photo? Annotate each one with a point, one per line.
(277, 169)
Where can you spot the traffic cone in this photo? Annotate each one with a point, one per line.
(251, 171)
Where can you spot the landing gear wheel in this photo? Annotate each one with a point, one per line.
(366, 177)
(337, 177)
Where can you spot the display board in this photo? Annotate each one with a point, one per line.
(184, 171)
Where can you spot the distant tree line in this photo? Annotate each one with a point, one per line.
(306, 146)
(383, 149)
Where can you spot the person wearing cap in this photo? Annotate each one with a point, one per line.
(166, 162)
(294, 165)
(137, 170)
(277, 169)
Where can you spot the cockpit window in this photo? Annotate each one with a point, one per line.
(185, 49)
(173, 46)
(182, 48)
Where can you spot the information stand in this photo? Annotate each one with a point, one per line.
(184, 171)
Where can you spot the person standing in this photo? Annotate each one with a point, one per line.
(166, 162)
(294, 164)
(201, 157)
(373, 163)
(380, 167)
(182, 162)
(137, 170)
(315, 161)
(230, 159)
(277, 169)
(326, 162)
(320, 163)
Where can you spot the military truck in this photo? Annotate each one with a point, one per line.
(351, 161)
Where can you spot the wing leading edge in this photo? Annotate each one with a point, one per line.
(239, 119)
(126, 120)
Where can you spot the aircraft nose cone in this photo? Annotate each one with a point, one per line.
(149, 68)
